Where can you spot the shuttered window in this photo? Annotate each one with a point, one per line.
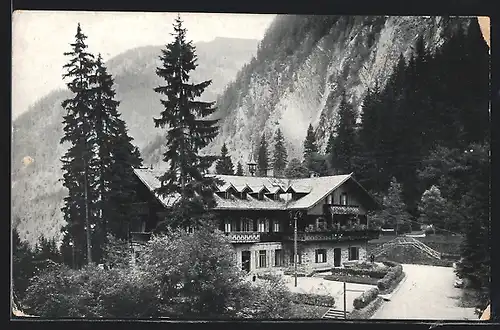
(354, 253)
(320, 255)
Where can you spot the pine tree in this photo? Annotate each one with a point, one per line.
(394, 213)
(224, 165)
(345, 146)
(117, 158)
(280, 155)
(310, 144)
(78, 175)
(239, 169)
(262, 157)
(296, 169)
(330, 144)
(189, 129)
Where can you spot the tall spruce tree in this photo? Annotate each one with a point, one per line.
(224, 165)
(280, 155)
(345, 144)
(310, 144)
(189, 129)
(394, 213)
(262, 157)
(117, 158)
(239, 169)
(78, 176)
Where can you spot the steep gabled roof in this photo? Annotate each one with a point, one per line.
(315, 190)
(320, 187)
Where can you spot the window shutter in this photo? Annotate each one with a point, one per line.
(267, 226)
(257, 259)
(316, 256)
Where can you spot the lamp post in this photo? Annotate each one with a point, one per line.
(295, 254)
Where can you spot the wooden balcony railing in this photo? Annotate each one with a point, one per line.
(339, 236)
(244, 237)
(342, 209)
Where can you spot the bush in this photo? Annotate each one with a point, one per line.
(92, 292)
(393, 276)
(352, 279)
(374, 273)
(269, 298)
(313, 299)
(365, 298)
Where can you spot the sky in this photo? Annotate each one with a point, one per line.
(39, 39)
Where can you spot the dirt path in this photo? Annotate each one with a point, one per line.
(426, 294)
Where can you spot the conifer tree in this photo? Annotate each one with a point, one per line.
(394, 212)
(262, 157)
(117, 158)
(239, 169)
(188, 128)
(280, 155)
(310, 144)
(224, 165)
(345, 147)
(78, 175)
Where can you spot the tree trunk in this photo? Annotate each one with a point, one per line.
(87, 220)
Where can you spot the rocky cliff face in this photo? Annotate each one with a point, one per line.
(304, 85)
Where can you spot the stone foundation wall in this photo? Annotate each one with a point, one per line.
(307, 252)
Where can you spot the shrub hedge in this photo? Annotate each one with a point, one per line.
(365, 298)
(392, 276)
(379, 273)
(352, 279)
(313, 299)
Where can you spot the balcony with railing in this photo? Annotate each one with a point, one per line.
(342, 209)
(243, 236)
(335, 235)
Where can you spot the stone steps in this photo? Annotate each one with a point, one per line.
(334, 314)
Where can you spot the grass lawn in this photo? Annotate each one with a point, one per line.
(301, 311)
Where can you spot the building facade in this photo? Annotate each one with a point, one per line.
(260, 215)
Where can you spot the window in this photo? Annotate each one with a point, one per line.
(227, 226)
(320, 255)
(278, 258)
(276, 227)
(343, 199)
(354, 253)
(262, 259)
(189, 230)
(247, 225)
(262, 226)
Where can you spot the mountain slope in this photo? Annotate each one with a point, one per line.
(36, 192)
(302, 67)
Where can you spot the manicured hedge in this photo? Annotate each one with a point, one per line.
(379, 273)
(393, 276)
(352, 279)
(365, 298)
(366, 312)
(313, 299)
